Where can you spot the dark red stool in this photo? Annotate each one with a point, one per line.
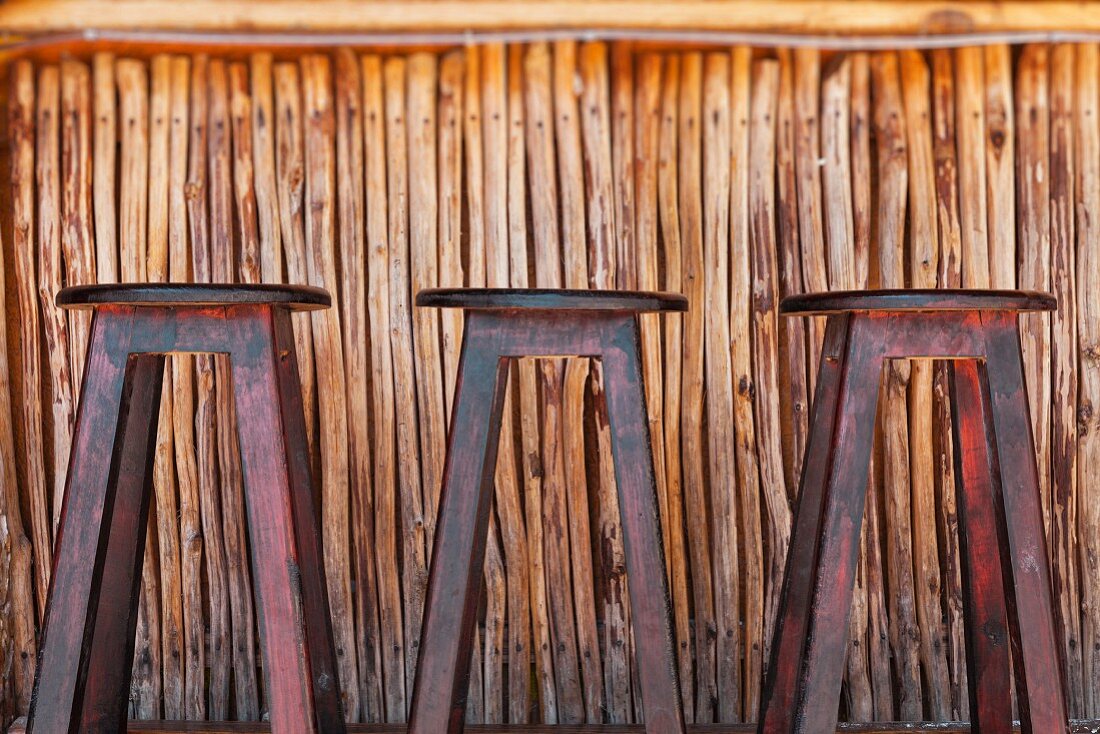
(502, 325)
(1007, 588)
(83, 677)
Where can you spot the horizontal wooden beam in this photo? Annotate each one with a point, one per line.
(858, 17)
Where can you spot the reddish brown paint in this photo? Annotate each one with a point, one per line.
(502, 325)
(82, 682)
(1000, 514)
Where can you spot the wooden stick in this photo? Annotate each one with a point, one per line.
(527, 391)
(164, 470)
(949, 275)
(331, 381)
(1087, 197)
(890, 136)
(765, 344)
(1063, 367)
(353, 291)
(77, 241)
(451, 274)
(183, 407)
(21, 135)
(509, 510)
(923, 268)
(218, 658)
(859, 118)
(548, 274)
(970, 139)
(47, 178)
(691, 240)
(266, 190)
(222, 269)
(1000, 167)
(290, 184)
(103, 168)
(807, 74)
(574, 252)
(244, 193)
(392, 641)
(415, 566)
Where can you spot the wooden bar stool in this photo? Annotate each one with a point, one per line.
(1007, 587)
(83, 677)
(502, 325)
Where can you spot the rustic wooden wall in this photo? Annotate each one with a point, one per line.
(736, 176)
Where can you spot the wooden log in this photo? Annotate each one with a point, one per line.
(807, 76)
(19, 654)
(765, 343)
(1063, 370)
(538, 105)
(970, 140)
(451, 272)
(21, 125)
(948, 275)
(164, 469)
(223, 264)
(668, 197)
(603, 251)
(717, 159)
(183, 406)
(351, 216)
(290, 185)
(1087, 197)
(690, 166)
(623, 181)
(923, 268)
(1000, 166)
(742, 300)
(331, 380)
(494, 97)
(77, 241)
(574, 256)
(392, 642)
(794, 370)
(528, 399)
(414, 573)
(244, 191)
(219, 651)
(103, 168)
(263, 158)
(54, 326)
(891, 145)
(859, 117)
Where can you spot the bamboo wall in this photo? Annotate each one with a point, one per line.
(736, 176)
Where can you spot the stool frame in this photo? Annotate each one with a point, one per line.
(83, 674)
(502, 325)
(1005, 572)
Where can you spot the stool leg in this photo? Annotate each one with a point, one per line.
(802, 686)
(645, 563)
(82, 542)
(1024, 555)
(295, 632)
(458, 556)
(987, 652)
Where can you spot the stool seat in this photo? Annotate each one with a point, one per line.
(917, 299)
(549, 299)
(294, 297)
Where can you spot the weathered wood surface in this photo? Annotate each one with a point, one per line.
(599, 164)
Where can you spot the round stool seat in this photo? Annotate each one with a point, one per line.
(293, 297)
(917, 299)
(549, 299)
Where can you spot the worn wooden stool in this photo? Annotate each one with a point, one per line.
(1007, 588)
(83, 677)
(503, 325)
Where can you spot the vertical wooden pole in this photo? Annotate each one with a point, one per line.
(103, 168)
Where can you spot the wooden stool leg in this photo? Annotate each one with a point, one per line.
(803, 679)
(81, 547)
(299, 660)
(1024, 556)
(987, 652)
(645, 563)
(458, 556)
